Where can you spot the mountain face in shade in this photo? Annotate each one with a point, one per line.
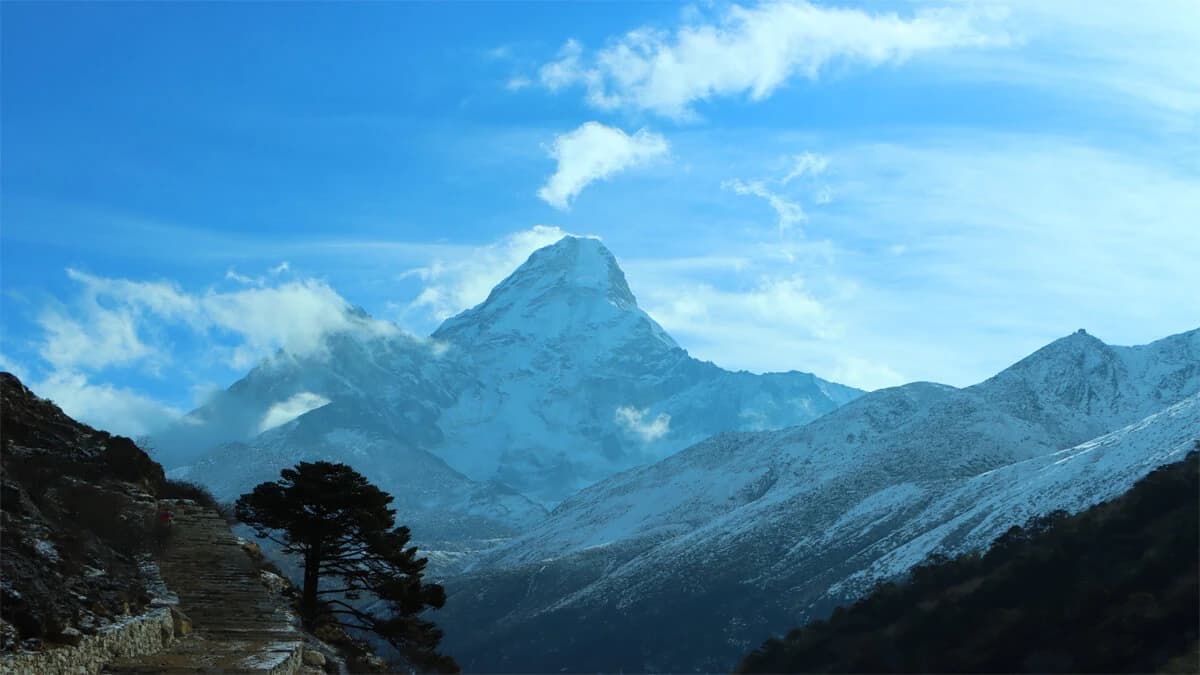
(556, 381)
(712, 549)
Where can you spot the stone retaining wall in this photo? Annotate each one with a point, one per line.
(136, 636)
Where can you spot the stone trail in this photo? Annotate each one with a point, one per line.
(238, 624)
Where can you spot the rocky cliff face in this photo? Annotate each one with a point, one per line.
(76, 508)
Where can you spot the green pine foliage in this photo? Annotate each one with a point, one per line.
(343, 529)
(1113, 589)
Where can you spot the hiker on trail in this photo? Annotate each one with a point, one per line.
(165, 517)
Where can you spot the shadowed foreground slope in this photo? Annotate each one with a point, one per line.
(1111, 589)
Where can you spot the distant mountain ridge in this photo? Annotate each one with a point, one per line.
(1111, 589)
(557, 380)
(716, 546)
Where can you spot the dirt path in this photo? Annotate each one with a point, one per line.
(239, 626)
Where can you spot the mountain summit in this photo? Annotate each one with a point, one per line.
(556, 381)
(572, 288)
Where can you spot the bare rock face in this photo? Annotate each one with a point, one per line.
(75, 505)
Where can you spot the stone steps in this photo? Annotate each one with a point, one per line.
(239, 626)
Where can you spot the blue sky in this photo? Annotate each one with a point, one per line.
(877, 193)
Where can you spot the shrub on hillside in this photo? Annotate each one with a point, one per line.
(126, 461)
(182, 489)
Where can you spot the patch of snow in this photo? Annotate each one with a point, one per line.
(47, 550)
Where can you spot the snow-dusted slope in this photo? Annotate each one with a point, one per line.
(748, 533)
(575, 382)
(556, 381)
(430, 496)
(978, 510)
(1078, 387)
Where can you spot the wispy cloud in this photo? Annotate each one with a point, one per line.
(806, 164)
(517, 83)
(117, 409)
(285, 411)
(635, 422)
(1123, 56)
(788, 209)
(106, 324)
(454, 284)
(596, 152)
(790, 213)
(115, 326)
(944, 258)
(753, 51)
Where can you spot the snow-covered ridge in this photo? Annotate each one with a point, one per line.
(520, 397)
(773, 527)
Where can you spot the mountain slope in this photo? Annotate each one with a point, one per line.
(556, 381)
(768, 528)
(1112, 589)
(1077, 387)
(77, 504)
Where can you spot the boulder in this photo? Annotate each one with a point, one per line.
(181, 623)
(69, 636)
(274, 582)
(314, 658)
(250, 547)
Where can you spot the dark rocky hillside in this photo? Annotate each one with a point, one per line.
(1112, 589)
(76, 510)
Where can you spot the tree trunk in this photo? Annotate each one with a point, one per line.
(312, 570)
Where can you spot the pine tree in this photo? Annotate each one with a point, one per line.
(342, 528)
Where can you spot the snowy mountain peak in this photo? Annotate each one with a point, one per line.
(573, 287)
(557, 380)
(578, 265)
(578, 262)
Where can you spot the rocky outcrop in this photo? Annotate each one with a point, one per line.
(76, 510)
(91, 581)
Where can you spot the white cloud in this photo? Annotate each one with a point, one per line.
(1132, 57)
(10, 365)
(966, 252)
(783, 301)
(232, 275)
(454, 284)
(1025, 235)
(294, 316)
(101, 328)
(790, 213)
(113, 322)
(776, 326)
(806, 164)
(122, 324)
(286, 411)
(754, 51)
(594, 152)
(566, 70)
(634, 421)
(98, 339)
(114, 409)
(788, 210)
(517, 83)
